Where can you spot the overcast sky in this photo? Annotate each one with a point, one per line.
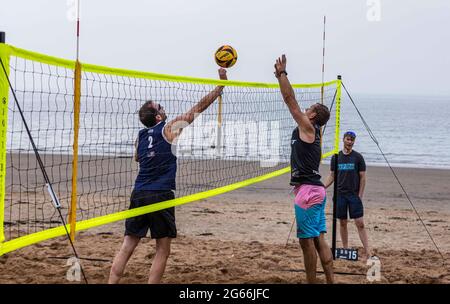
(401, 48)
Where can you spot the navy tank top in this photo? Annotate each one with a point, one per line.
(157, 163)
(305, 159)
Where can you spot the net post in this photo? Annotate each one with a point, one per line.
(76, 127)
(4, 93)
(335, 194)
(336, 163)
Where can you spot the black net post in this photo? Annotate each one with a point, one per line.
(2, 37)
(335, 195)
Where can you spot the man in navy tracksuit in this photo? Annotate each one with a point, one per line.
(156, 182)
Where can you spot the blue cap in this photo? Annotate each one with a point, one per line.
(350, 133)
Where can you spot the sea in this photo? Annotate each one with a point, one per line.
(411, 131)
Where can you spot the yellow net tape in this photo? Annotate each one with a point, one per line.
(4, 90)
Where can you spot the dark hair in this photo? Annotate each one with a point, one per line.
(147, 114)
(322, 114)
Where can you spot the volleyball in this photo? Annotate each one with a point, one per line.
(225, 56)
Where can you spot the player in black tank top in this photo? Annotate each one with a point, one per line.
(305, 160)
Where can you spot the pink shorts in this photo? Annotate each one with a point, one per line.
(309, 208)
(307, 196)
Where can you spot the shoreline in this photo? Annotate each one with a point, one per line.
(324, 161)
(408, 166)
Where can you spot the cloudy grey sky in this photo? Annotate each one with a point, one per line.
(401, 49)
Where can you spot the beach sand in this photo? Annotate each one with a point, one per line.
(242, 237)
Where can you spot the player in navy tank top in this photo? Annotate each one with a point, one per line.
(155, 182)
(157, 163)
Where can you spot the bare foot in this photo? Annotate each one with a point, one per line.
(365, 257)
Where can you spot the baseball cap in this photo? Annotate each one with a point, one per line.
(350, 133)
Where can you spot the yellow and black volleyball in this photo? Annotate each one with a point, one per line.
(225, 56)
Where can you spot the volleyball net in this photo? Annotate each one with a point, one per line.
(87, 144)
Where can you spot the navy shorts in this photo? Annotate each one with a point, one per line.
(161, 223)
(349, 204)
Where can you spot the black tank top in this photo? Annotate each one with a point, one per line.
(305, 159)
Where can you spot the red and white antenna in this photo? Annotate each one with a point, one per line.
(323, 56)
(76, 127)
(78, 28)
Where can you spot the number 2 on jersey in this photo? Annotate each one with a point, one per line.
(150, 141)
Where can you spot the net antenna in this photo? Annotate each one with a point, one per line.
(78, 28)
(323, 73)
(323, 58)
(76, 113)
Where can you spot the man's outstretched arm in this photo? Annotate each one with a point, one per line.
(289, 97)
(175, 126)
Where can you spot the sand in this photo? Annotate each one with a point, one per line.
(242, 237)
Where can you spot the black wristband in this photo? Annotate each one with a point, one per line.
(281, 72)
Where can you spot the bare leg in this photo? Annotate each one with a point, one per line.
(120, 261)
(326, 258)
(160, 260)
(344, 232)
(359, 222)
(310, 259)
